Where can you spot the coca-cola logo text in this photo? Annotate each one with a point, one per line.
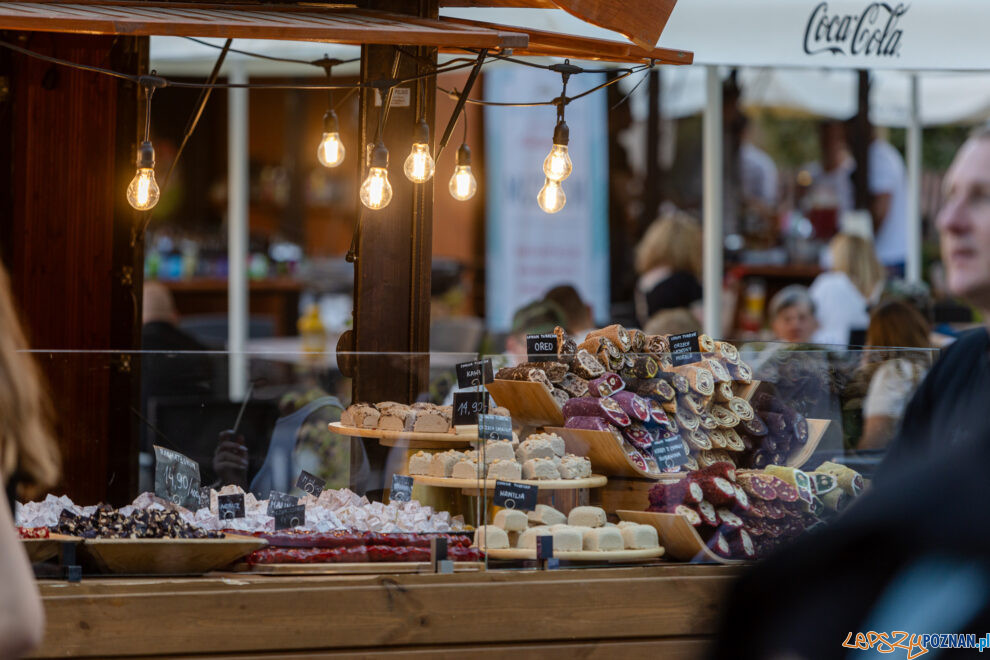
(872, 32)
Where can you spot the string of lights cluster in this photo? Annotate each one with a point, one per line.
(375, 191)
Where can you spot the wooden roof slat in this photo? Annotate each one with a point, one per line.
(552, 44)
(251, 21)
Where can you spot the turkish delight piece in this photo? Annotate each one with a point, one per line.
(587, 516)
(505, 470)
(491, 537)
(511, 520)
(540, 468)
(640, 537)
(546, 515)
(419, 463)
(465, 469)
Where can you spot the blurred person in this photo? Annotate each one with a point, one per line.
(668, 262)
(579, 319)
(895, 373)
(29, 465)
(888, 204)
(538, 317)
(941, 413)
(841, 295)
(758, 180)
(909, 555)
(792, 315)
(672, 322)
(827, 186)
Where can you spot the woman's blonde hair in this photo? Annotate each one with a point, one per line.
(854, 256)
(673, 240)
(27, 447)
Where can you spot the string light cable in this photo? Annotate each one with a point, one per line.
(462, 183)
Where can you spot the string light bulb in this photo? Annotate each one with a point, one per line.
(420, 166)
(463, 185)
(557, 165)
(376, 191)
(551, 198)
(331, 150)
(143, 191)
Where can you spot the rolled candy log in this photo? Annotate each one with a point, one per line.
(606, 385)
(723, 456)
(754, 427)
(657, 414)
(687, 419)
(683, 491)
(699, 379)
(706, 458)
(774, 510)
(592, 344)
(559, 395)
(776, 422)
(726, 351)
(638, 436)
(836, 500)
(761, 458)
(733, 441)
(637, 341)
(690, 464)
(741, 372)
(717, 438)
(719, 372)
(574, 385)
(665, 360)
(741, 545)
(722, 469)
(586, 365)
(757, 485)
(707, 512)
(640, 366)
(531, 374)
(727, 518)
(654, 388)
(723, 392)
(740, 408)
(555, 371)
(742, 499)
(670, 407)
(706, 344)
(708, 421)
(725, 417)
(698, 440)
(616, 334)
(770, 402)
(720, 545)
(850, 481)
(606, 408)
(657, 344)
(689, 514)
(566, 351)
(799, 427)
(633, 405)
(769, 443)
(693, 402)
(678, 381)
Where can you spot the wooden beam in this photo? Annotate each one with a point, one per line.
(641, 21)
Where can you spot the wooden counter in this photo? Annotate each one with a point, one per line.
(657, 611)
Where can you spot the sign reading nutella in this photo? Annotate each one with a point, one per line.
(872, 32)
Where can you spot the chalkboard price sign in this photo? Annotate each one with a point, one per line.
(475, 374)
(310, 483)
(494, 427)
(684, 349)
(292, 516)
(467, 407)
(176, 478)
(541, 348)
(401, 488)
(230, 506)
(278, 500)
(512, 495)
(669, 451)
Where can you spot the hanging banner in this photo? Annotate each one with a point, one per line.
(529, 251)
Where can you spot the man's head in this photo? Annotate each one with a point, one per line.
(792, 315)
(577, 312)
(832, 142)
(158, 304)
(964, 222)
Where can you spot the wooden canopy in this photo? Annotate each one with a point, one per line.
(285, 22)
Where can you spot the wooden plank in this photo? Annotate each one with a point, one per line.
(117, 618)
(682, 648)
(334, 25)
(528, 403)
(622, 493)
(642, 21)
(601, 447)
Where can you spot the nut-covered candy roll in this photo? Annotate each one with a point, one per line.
(725, 417)
(699, 379)
(707, 512)
(754, 427)
(657, 344)
(693, 402)
(717, 438)
(606, 385)
(733, 441)
(606, 408)
(574, 385)
(708, 421)
(656, 389)
(616, 334)
(687, 419)
(586, 365)
(678, 381)
(698, 440)
(719, 372)
(560, 396)
(706, 344)
(723, 392)
(741, 373)
(637, 341)
(726, 351)
(633, 405)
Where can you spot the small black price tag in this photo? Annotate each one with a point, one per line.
(512, 495)
(544, 547)
(204, 497)
(292, 516)
(669, 451)
(684, 349)
(310, 483)
(475, 374)
(401, 488)
(494, 427)
(468, 405)
(230, 506)
(541, 348)
(176, 478)
(278, 501)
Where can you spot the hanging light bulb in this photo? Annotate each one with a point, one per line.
(331, 151)
(143, 192)
(551, 198)
(376, 191)
(419, 165)
(463, 185)
(557, 165)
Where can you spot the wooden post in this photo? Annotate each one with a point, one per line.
(67, 141)
(393, 246)
(859, 139)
